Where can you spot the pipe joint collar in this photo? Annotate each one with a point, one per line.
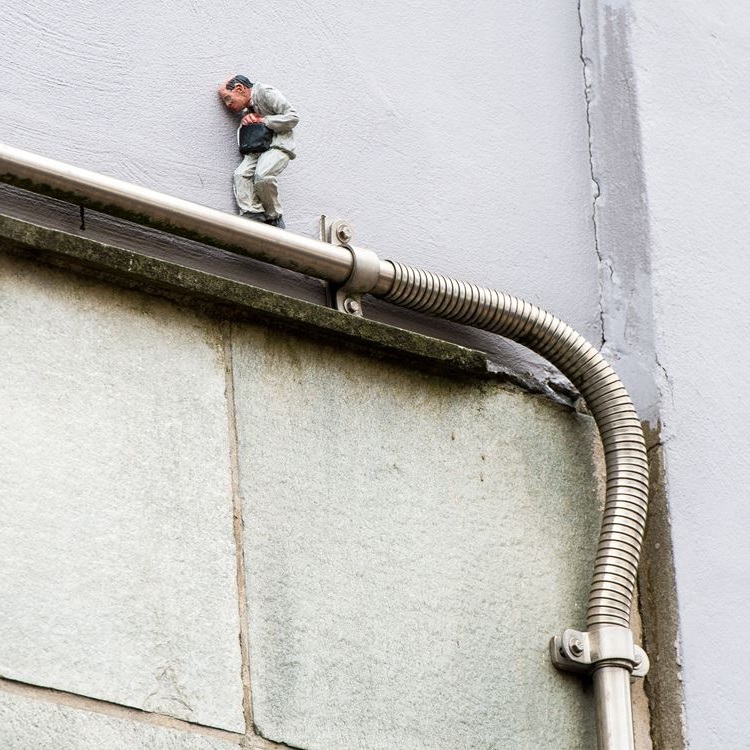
(365, 271)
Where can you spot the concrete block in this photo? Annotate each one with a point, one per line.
(412, 543)
(26, 723)
(118, 578)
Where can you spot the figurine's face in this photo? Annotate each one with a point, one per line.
(237, 99)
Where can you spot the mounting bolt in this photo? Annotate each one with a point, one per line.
(351, 305)
(343, 233)
(576, 647)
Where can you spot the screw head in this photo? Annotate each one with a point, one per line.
(343, 233)
(351, 305)
(576, 647)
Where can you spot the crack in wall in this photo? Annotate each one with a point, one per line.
(596, 191)
(619, 210)
(654, 447)
(668, 389)
(663, 371)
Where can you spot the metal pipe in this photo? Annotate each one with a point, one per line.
(611, 595)
(180, 217)
(614, 713)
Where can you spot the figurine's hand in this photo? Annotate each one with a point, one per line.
(251, 118)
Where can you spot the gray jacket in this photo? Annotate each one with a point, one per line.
(278, 113)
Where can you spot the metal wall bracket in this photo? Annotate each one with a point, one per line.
(581, 651)
(347, 298)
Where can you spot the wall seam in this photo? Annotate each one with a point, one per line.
(659, 610)
(115, 710)
(238, 527)
(252, 740)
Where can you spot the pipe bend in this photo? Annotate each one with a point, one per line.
(611, 597)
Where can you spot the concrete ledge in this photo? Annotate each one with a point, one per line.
(232, 299)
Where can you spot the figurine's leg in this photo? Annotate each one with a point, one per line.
(270, 165)
(244, 186)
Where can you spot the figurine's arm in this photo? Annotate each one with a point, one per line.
(281, 117)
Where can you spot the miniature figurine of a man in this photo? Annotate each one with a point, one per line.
(255, 185)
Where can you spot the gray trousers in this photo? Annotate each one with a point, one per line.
(255, 186)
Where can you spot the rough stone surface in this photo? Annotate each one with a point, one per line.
(115, 497)
(411, 545)
(230, 297)
(26, 724)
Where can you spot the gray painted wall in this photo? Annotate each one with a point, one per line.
(395, 547)
(450, 139)
(691, 74)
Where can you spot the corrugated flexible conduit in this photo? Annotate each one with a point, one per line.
(616, 565)
(607, 650)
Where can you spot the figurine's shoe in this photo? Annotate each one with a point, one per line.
(277, 222)
(260, 216)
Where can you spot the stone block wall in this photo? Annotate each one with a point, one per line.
(217, 531)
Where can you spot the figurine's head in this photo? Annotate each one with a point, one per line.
(236, 93)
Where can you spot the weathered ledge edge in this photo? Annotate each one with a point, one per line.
(233, 300)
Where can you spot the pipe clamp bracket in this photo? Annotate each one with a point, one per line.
(581, 651)
(365, 274)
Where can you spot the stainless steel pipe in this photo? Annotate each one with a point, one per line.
(614, 712)
(117, 198)
(611, 595)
